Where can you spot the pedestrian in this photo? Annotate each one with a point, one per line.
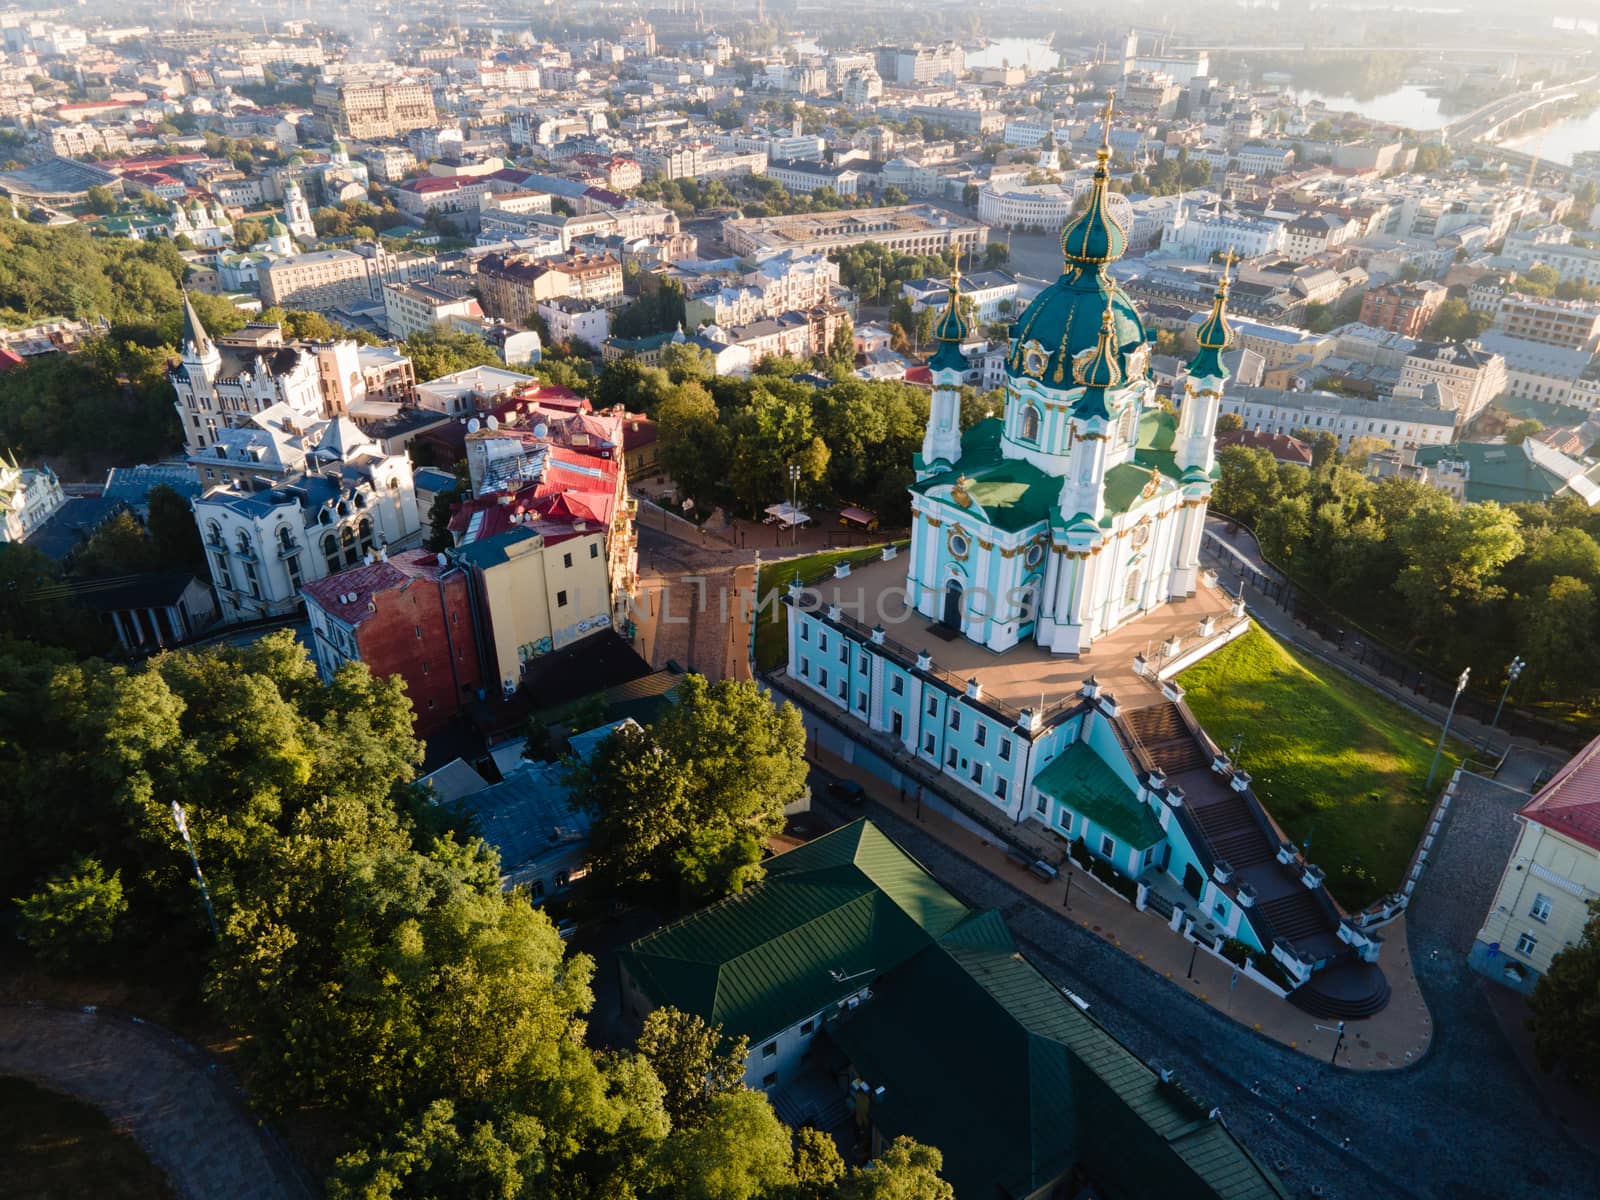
(1345, 1145)
(1298, 1089)
(1313, 1120)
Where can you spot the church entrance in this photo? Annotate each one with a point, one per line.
(952, 605)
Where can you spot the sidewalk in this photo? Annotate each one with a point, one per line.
(1396, 1037)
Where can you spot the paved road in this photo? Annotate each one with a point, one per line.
(1464, 1124)
(174, 1102)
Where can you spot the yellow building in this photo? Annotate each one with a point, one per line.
(1542, 904)
(534, 594)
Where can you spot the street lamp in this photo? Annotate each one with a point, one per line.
(1512, 672)
(1461, 686)
(794, 504)
(182, 822)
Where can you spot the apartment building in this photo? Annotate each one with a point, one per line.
(374, 109)
(1402, 420)
(1403, 308)
(512, 285)
(410, 308)
(1571, 324)
(409, 614)
(1467, 375)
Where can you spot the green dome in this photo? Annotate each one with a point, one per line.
(1064, 320)
(1094, 238)
(1215, 334)
(275, 227)
(950, 330)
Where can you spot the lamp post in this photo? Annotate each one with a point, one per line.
(1513, 670)
(794, 504)
(182, 822)
(1461, 686)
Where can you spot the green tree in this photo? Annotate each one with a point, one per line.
(1522, 431)
(174, 536)
(101, 200)
(1565, 1008)
(693, 442)
(906, 1170)
(1247, 483)
(1324, 448)
(741, 1151)
(442, 351)
(1557, 628)
(1229, 423)
(74, 914)
(817, 1164)
(1454, 558)
(1453, 321)
(118, 547)
(996, 254)
(842, 350)
(694, 1061)
(688, 805)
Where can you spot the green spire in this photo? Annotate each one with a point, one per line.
(1097, 370)
(1095, 238)
(951, 329)
(1215, 335)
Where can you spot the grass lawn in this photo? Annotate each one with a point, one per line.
(772, 634)
(54, 1148)
(1332, 760)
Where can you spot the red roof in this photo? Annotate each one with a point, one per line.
(921, 376)
(1570, 803)
(9, 358)
(347, 594)
(1281, 446)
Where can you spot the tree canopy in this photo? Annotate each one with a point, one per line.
(1565, 1008)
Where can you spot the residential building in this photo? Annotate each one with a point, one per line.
(1571, 324)
(920, 64)
(430, 194)
(29, 497)
(1401, 420)
(992, 294)
(410, 308)
(1468, 375)
(804, 176)
(1550, 246)
(1540, 371)
(1552, 879)
(1403, 308)
(1285, 449)
(835, 953)
(407, 614)
(569, 319)
(910, 229)
(469, 391)
(513, 285)
(1203, 231)
(265, 540)
(374, 110)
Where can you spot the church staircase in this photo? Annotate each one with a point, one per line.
(1229, 826)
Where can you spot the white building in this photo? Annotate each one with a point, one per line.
(29, 496)
(1402, 420)
(993, 294)
(1202, 231)
(1539, 371)
(570, 319)
(410, 308)
(265, 539)
(1467, 374)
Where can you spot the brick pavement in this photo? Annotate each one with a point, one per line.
(177, 1105)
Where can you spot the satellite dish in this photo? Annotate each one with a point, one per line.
(472, 425)
(541, 430)
(492, 421)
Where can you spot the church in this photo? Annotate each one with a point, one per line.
(1054, 570)
(1082, 507)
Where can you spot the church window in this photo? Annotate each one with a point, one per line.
(1125, 426)
(1140, 535)
(1034, 555)
(1030, 424)
(959, 546)
(1130, 593)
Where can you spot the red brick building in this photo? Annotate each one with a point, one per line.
(409, 616)
(1403, 308)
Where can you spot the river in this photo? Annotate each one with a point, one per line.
(1411, 106)
(1031, 53)
(1560, 142)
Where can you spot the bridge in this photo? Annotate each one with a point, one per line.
(1484, 123)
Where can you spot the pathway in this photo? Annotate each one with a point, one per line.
(177, 1104)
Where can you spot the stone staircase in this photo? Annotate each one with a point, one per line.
(1296, 916)
(1234, 833)
(1166, 739)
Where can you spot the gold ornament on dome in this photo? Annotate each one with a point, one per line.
(1154, 484)
(1139, 362)
(1034, 359)
(959, 493)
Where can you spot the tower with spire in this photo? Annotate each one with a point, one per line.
(1080, 508)
(297, 213)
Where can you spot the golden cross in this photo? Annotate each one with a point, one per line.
(1105, 137)
(1228, 260)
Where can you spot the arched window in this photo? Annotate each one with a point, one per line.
(1030, 424)
(366, 539)
(1130, 593)
(330, 552)
(347, 539)
(285, 538)
(243, 542)
(1125, 426)
(214, 534)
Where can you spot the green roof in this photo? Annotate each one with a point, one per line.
(829, 915)
(1032, 1086)
(1080, 779)
(1496, 471)
(1008, 493)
